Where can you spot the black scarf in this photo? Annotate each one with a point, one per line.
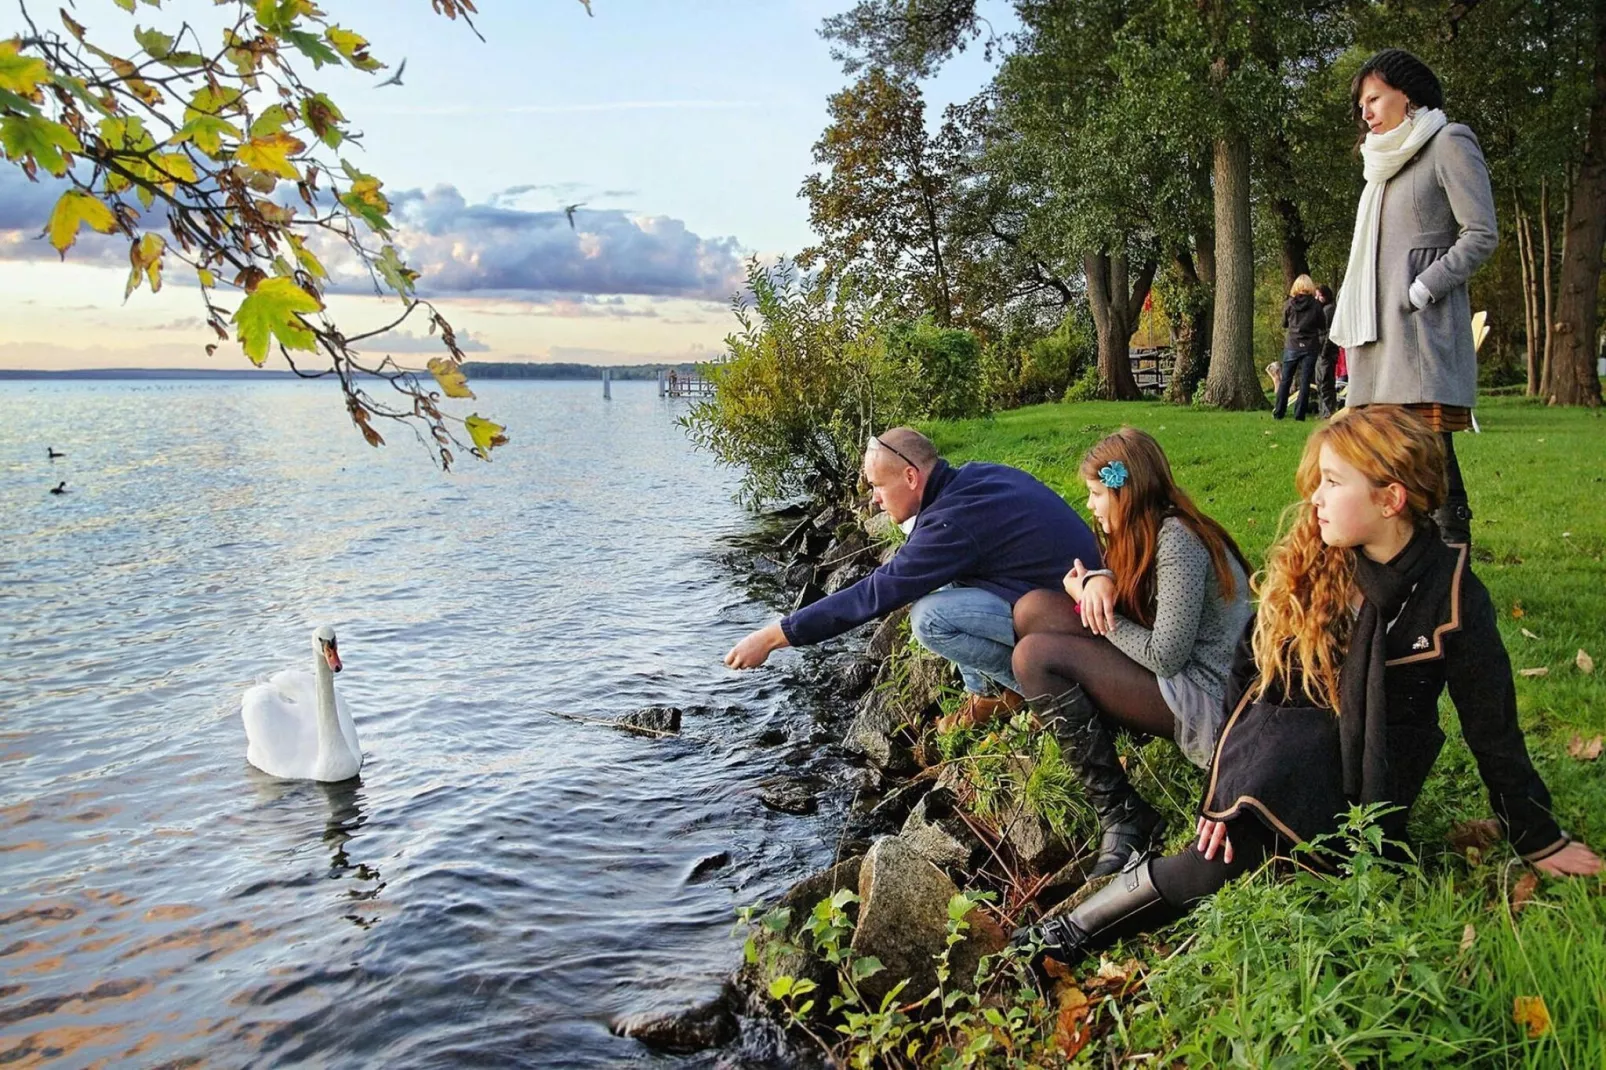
(1362, 705)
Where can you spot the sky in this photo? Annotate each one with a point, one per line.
(683, 128)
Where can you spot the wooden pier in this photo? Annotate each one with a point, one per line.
(674, 384)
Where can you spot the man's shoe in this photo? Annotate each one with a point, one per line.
(978, 710)
(1127, 905)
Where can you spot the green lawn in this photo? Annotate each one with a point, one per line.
(1380, 969)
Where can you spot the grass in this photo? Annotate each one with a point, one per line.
(1380, 969)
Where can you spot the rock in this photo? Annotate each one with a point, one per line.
(939, 835)
(855, 678)
(1035, 843)
(825, 519)
(798, 573)
(879, 527)
(652, 719)
(814, 544)
(888, 816)
(807, 596)
(846, 575)
(771, 737)
(789, 795)
(1066, 880)
(709, 1025)
(708, 864)
(887, 636)
(851, 547)
(903, 922)
(772, 960)
(871, 732)
(795, 536)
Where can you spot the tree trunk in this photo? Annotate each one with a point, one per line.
(1530, 294)
(1107, 297)
(1193, 332)
(1546, 289)
(1573, 379)
(1293, 245)
(943, 310)
(1233, 382)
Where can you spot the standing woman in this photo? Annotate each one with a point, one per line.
(1365, 619)
(1327, 359)
(1426, 222)
(1305, 329)
(1144, 645)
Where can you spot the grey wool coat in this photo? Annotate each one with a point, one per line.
(1438, 226)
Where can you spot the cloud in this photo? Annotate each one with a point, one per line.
(404, 341)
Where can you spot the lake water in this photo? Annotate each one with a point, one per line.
(502, 881)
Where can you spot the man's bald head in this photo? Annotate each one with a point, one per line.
(897, 463)
(905, 445)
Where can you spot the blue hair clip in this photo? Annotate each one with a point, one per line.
(1113, 475)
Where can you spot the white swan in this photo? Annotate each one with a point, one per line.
(296, 726)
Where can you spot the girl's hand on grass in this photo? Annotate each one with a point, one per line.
(1213, 834)
(1574, 860)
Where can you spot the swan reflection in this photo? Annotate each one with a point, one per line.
(287, 814)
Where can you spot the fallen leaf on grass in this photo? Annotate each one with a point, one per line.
(1468, 935)
(1058, 971)
(1523, 891)
(1479, 834)
(1584, 662)
(1540, 671)
(1529, 635)
(1516, 610)
(1585, 750)
(1071, 1031)
(1531, 1012)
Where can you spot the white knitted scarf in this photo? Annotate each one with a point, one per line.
(1355, 318)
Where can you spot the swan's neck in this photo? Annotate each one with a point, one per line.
(329, 736)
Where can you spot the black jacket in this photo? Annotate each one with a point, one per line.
(1280, 759)
(1305, 323)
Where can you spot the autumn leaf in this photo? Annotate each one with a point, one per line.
(156, 44)
(485, 434)
(1071, 1031)
(1540, 671)
(1468, 935)
(1480, 834)
(1531, 1013)
(1584, 750)
(1526, 634)
(450, 376)
(398, 275)
(353, 47)
(18, 73)
(274, 310)
(38, 141)
(1523, 891)
(74, 210)
(1584, 662)
(323, 119)
(145, 259)
(271, 154)
(1517, 611)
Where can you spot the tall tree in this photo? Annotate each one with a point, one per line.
(209, 153)
(883, 198)
(1573, 372)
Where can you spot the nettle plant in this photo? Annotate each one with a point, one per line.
(206, 147)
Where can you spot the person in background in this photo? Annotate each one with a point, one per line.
(1365, 618)
(1327, 359)
(1144, 644)
(1426, 222)
(1305, 328)
(980, 536)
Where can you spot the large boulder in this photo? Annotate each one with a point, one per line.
(939, 835)
(652, 720)
(903, 922)
(887, 635)
(846, 574)
(892, 704)
(707, 1025)
(789, 794)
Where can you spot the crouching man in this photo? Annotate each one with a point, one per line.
(980, 536)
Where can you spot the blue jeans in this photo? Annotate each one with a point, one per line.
(1300, 362)
(974, 629)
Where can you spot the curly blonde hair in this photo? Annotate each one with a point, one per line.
(1306, 588)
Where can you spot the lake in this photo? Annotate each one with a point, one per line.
(501, 881)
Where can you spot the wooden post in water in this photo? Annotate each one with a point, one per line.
(607, 384)
(663, 382)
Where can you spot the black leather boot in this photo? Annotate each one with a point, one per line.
(1128, 905)
(1454, 518)
(1127, 824)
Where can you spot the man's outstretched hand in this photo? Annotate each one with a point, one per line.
(756, 648)
(1574, 860)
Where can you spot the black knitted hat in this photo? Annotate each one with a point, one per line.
(1404, 72)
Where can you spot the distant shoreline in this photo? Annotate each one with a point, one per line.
(474, 370)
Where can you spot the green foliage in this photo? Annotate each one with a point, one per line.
(942, 365)
(804, 383)
(1087, 386)
(178, 142)
(1050, 365)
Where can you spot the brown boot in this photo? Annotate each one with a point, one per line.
(977, 710)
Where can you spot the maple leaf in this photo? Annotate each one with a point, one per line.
(271, 154)
(400, 277)
(451, 377)
(1071, 1032)
(273, 311)
(145, 260)
(485, 434)
(38, 141)
(74, 210)
(1531, 1012)
(21, 74)
(352, 46)
(1584, 750)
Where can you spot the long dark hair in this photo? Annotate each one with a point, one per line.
(1400, 70)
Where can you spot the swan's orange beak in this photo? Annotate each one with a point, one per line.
(333, 657)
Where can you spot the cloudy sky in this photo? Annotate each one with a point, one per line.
(684, 127)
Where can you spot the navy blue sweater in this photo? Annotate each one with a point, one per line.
(980, 525)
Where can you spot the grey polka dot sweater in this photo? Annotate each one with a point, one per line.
(1194, 631)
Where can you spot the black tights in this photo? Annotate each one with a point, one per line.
(1188, 876)
(1452, 469)
(1054, 653)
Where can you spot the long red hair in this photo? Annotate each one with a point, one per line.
(1140, 505)
(1303, 625)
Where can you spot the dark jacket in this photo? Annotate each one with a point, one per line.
(980, 525)
(1279, 759)
(1304, 323)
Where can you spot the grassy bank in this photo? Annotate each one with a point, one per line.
(1383, 968)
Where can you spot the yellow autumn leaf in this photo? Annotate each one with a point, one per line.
(451, 378)
(20, 74)
(145, 262)
(485, 434)
(1584, 662)
(273, 311)
(208, 279)
(77, 209)
(177, 167)
(271, 154)
(1531, 1012)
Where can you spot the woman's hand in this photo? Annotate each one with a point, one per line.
(1073, 580)
(1098, 604)
(1574, 860)
(1213, 835)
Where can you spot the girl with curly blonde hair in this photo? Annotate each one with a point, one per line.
(1365, 617)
